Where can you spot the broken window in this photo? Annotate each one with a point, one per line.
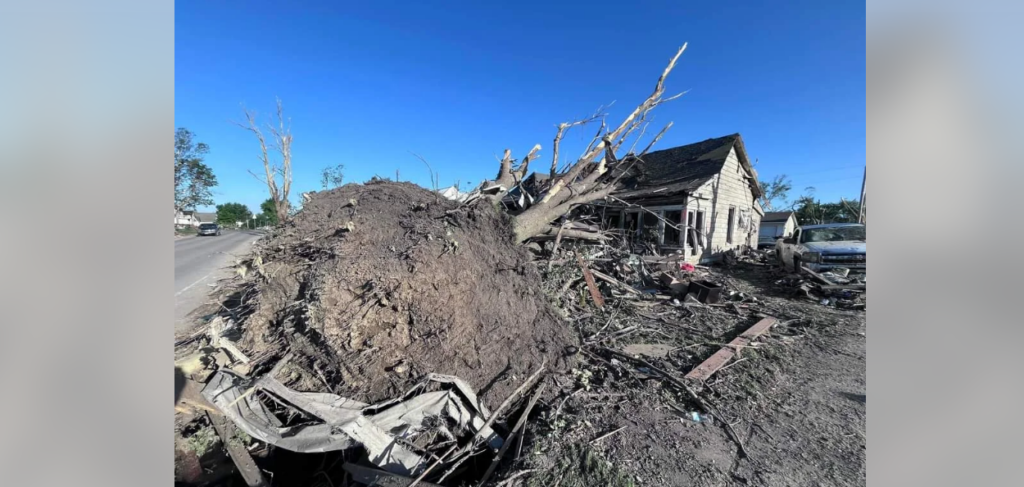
(673, 220)
(732, 223)
(698, 225)
(694, 230)
(650, 226)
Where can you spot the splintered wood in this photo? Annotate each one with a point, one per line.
(591, 284)
(720, 358)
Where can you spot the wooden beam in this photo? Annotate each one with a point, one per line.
(816, 276)
(707, 368)
(591, 285)
(246, 466)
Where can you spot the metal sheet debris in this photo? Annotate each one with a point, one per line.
(342, 423)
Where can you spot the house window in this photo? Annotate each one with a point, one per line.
(672, 234)
(694, 230)
(691, 240)
(732, 225)
(699, 226)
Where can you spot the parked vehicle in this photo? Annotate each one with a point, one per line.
(823, 247)
(211, 229)
(766, 241)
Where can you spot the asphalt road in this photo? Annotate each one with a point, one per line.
(199, 262)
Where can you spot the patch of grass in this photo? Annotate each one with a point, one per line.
(240, 438)
(579, 466)
(202, 440)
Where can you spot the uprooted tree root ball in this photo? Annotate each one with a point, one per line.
(374, 285)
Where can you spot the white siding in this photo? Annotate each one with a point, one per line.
(730, 189)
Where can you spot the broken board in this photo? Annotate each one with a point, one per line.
(707, 368)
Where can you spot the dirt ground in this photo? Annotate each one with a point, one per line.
(797, 401)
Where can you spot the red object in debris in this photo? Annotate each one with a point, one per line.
(687, 267)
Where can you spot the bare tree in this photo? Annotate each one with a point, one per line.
(592, 177)
(282, 143)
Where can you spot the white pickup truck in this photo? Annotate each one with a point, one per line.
(823, 247)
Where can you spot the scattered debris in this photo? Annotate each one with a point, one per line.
(377, 341)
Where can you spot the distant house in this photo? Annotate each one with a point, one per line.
(699, 198)
(186, 219)
(189, 218)
(778, 224)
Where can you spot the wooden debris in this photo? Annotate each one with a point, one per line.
(615, 282)
(591, 285)
(246, 466)
(704, 404)
(712, 364)
(817, 277)
(599, 438)
(469, 445)
(518, 428)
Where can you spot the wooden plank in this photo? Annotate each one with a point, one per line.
(591, 285)
(816, 276)
(246, 466)
(715, 362)
(615, 282)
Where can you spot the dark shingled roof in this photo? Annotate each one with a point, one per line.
(685, 168)
(776, 216)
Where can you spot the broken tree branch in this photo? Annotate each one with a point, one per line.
(519, 427)
(471, 443)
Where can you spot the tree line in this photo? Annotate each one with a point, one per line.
(808, 209)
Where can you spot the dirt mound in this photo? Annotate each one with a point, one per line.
(375, 285)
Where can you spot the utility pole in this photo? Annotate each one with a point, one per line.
(863, 196)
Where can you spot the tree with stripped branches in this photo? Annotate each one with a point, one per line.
(592, 177)
(281, 143)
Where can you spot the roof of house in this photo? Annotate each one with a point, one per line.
(207, 217)
(776, 216)
(685, 168)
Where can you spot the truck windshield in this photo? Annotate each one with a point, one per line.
(207, 226)
(833, 234)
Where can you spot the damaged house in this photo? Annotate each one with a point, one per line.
(701, 199)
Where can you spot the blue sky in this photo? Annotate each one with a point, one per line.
(365, 84)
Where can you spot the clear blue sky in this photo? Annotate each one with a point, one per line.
(366, 84)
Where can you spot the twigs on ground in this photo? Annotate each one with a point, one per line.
(704, 404)
(599, 438)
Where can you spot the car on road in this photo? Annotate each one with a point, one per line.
(823, 247)
(210, 229)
